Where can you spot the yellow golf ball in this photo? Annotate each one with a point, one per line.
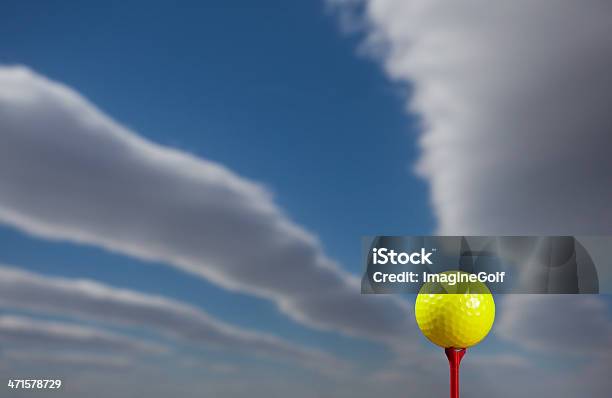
(460, 318)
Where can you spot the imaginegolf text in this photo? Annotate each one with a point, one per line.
(450, 278)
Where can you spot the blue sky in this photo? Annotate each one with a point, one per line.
(300, 112)
(274, 97)
(292, 110)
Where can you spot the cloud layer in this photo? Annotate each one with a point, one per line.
(25, 332)
(69, 359)
(92, 300)
(514, 101)
(557, 324)
(69, 172)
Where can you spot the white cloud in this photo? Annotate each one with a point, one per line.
(25, 332)
(69, 359)
(514, 99)
(92, 300)
(69, 172)
(557, 324)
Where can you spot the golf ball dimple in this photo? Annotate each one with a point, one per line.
(455, 320)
